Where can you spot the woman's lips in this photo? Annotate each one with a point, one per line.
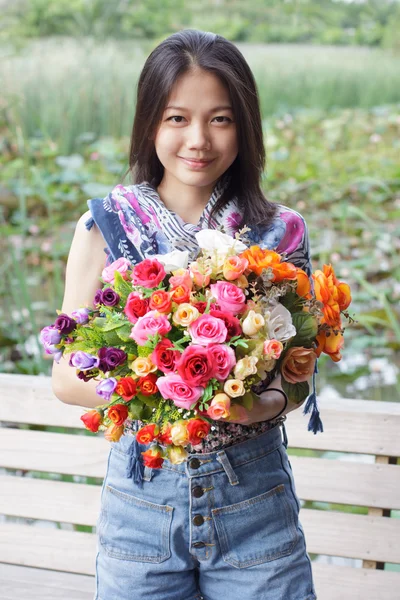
(196, 164)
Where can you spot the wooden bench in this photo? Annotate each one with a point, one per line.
(40, 559)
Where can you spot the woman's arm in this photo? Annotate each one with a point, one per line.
(85, 263)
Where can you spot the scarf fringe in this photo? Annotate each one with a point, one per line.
(135, 467)
(315, 423)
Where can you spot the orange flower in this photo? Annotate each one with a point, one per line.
(126, 388)
(330, 345)
(148, 433)
(92, 420)
(260, 259)
(114, 432)
(334, 294)
(298, 364)
(118, 413)
(160, 300)
(147, 384)
(180, 294)
(153, 457)
(303, 284)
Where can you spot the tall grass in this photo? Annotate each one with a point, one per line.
(62, 88)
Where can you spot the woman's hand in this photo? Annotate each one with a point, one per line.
(268, 406)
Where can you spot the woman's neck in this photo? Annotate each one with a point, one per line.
(184, 199)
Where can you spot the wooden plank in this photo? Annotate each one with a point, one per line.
(344, 482)
(351, 536)
(357, 426)
(48, 500)
(68, 551)
(19, 583)
(333, 582)
(374, 425)
(54, 452)
(29, 399)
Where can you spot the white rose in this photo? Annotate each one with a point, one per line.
(252, 323)
(279, 323)
(212, 240)
(178, 259)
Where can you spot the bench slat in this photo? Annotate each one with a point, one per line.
(49, 500)
(327, 532)
(372, 485)
(19, 583)
(54, 452)
(75, 552)
(347, 583)
(345, 482)
(374, 425)
(68, 551)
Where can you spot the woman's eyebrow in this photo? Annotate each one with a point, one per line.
(224, 107)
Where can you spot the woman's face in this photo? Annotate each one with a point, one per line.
(197, 125)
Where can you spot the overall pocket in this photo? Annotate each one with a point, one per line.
(257, 530)
(131, 528)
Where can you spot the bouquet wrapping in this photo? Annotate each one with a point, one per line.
(178, 345)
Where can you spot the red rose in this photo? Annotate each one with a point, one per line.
(118, 413)
(165, 359)
(153, 458)
(197, 430)
(160, 300)
(180, 294)
(126, 388)
(232, 323)
(92, 420)
(148, 433)
(135, 307)
(148, 273)
(147, 384)
(165, 436)
(196, 366)
(201, 306)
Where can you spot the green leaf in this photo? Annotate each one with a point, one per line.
(135, 409)
(306, 329)
(248, 400)
(296, 392)
(122, 287)
(112, 338)
(99, 322)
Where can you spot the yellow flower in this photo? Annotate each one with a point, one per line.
(114, 432)
(185, 314)
(234, 388)
(176, 454)
(246, 366)
(142, 366)
(179, 434)
(253, 323)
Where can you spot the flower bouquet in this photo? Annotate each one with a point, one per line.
(177, 345)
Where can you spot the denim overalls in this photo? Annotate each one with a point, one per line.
(221, 525)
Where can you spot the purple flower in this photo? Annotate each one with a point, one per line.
(49, 336)
(86, 375)
(109, 297)
(110, 358)
(81, 315)
(64, 323)
(97, 297)
(106, 388)
(83, 361)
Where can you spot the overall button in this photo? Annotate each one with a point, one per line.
(198, 545)
(197, 491)
(194, 463)
(198, 520)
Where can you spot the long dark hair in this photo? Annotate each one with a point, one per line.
(173, 57)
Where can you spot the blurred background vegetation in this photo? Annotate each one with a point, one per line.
(329, 82)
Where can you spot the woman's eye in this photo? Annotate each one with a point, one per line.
(176, 117)
(228, 119)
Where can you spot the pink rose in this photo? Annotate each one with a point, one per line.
(207, 329)
(173, 387)
(148, 273)
(121, 265)
(224, 359)
(272, 349)
(229, 296)
(219, 407)
(148, 325)
(182, 276)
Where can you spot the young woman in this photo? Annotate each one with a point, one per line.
(225, 522)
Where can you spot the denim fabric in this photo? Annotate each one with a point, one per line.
(221, 525)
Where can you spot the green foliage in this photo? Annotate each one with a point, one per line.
(296, 392)
(372, 22)
(306, 327)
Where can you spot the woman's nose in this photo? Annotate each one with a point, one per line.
(198, 137)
